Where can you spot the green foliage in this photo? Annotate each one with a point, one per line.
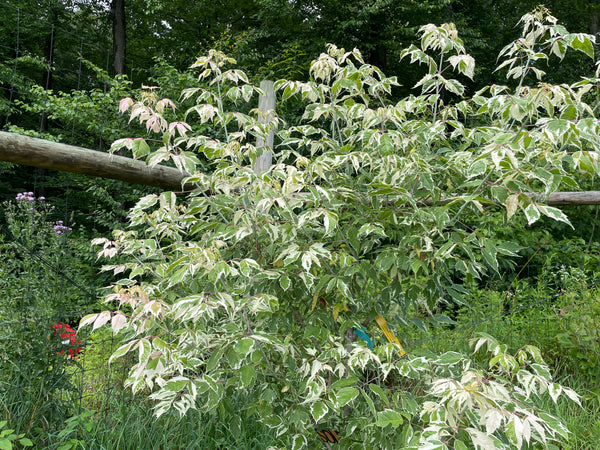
(83, 421)
(576, 343)
(251, 284)
(558, 314)
(33, 231)
(8, 438)
(80, 116)
(129, 425)
(43, 281)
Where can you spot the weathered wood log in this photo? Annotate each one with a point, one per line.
(35, 152)
(554, 199)
(68, 158)
(574, 198)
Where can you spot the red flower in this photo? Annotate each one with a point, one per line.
(68, 337)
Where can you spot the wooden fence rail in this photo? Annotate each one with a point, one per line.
(35, 152)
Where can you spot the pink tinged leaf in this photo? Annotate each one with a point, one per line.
(102, 319)
(181, 127)
(153, 307)
(125, 104)
(120, 143)
(139, 110)
(109, 252)
(165, 102)
(118, 322)
(153, 124)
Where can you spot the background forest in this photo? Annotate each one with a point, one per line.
(523, 273)
(155, 43)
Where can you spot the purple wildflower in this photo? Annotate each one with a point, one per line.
(25, 196)
(60, 228)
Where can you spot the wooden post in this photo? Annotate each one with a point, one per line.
(266, 106)
(35, 152)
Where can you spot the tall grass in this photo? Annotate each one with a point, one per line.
(131, 425)
(564, 323)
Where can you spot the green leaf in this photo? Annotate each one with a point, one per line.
(583, 43)
(369, 402)
(248, 374)
(477, 169)
(299, 442)
(442, 318)
(554, 213)
(380, 393)
(220, 270)
(284, 282)
(508, 248)
(459, 445)
(214, 360)
(454, 86)
(532, 214)
(213, 390)
(344, 396)
(69, 445)
(489, 254)
(407, 435)
(139, 148)
(176, 384)
(569, 113)
(419, 323)
(330, 220)
(5, 444)
(243, 346)
(450, 358)
(389, 417)
(343, 382)
(122, 350)
(318, 410)
(147, 201)
(559, 48)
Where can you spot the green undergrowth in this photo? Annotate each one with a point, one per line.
(583, 422)
(560, 317)
(129, 423)
(561, 321)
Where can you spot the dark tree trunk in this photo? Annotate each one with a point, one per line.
(117, 9)
(594, 17)
(48, 74)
